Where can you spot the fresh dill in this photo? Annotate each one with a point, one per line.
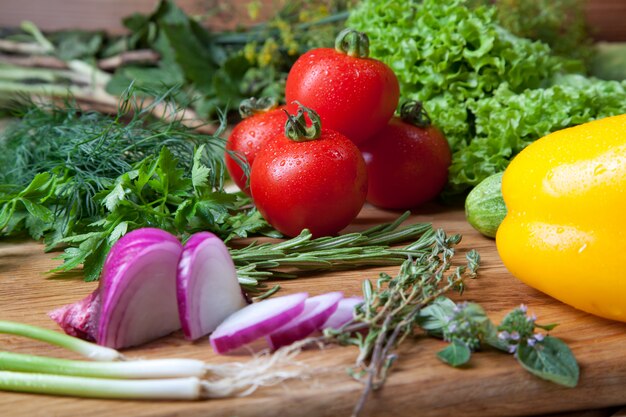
(81, 179)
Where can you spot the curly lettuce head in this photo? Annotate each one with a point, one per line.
(490, 91)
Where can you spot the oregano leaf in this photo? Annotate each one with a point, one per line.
(455, 354)
(550, 359)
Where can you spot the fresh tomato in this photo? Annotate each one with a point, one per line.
(407, 165)
(353, 94)
(312, 180)
(260, 123)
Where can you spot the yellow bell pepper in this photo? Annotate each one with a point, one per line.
(565, 229)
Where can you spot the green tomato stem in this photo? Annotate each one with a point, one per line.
(251, 106)
(297, 129)
(413, 112)
(353, 43)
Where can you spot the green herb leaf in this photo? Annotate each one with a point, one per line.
(434, 317)
(113, 198)
(550, 359)
(38, 211)
(199, 172)
(455, 354)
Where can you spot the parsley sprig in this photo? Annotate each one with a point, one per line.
(80, 180)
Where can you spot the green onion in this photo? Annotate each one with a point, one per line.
(190, 388)
(86, 349)
(135, 369)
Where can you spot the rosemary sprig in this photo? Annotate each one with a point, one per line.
(302, 254)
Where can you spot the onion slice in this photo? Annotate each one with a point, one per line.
(206, 285)
(138, 289)
(316, 312)
(255, 321)
(344, 313)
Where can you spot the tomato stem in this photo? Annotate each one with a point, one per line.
(251, 106)
(413, 112)
(353, 43)
(296, 127)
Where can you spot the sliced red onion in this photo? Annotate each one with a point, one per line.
(256, 320)
(343, 314)
(138, 289)
(207, 287)
(316, 311)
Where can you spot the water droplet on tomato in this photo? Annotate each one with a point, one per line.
(253, 133)
(335, 154)
(282, 163)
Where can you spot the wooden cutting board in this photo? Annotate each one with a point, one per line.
(492, 385)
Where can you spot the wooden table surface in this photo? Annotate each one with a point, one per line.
(492, 385)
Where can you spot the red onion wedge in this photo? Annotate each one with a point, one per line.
(79, 319)
(344, 313)
(316, 311)
(256, 320)
(207, 287)
(138, 289)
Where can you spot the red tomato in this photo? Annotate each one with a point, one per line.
(316, 184)
(354, 96)
(248, 137)
(406, 165)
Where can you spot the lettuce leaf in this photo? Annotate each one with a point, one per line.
(491, 92)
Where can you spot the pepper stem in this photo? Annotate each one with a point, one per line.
(251, 106)
(353, 43)
(296, 127)
(413, 112)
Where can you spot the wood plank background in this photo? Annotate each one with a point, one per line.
(606, 17)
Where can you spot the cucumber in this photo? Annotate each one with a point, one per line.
(484, 205)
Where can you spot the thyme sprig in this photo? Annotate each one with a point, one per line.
(414, 301)
(391, 308)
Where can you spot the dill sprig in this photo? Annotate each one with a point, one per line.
(94, 148)
(81, 180)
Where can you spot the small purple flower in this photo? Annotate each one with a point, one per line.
(531, 341)
(515, 336)
(459, 307)
(512, 348)
(532, 318)
(523, 308)
(452, 327)
(538, 337)
(504, 335)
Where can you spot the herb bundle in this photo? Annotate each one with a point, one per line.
(414, 302)
(82, 179)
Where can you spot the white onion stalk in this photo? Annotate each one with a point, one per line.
(113, 379)
(84, 348)
(131, 369)
(190, 388)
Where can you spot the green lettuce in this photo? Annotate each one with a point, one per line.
(491, 92)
